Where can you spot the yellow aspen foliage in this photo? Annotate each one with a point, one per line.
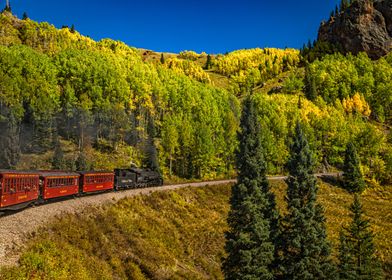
(356, 104)
(189, 55)
(189, 68)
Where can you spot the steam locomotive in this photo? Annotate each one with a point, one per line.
(19, 189)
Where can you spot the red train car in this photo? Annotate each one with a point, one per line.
(18, 189)
(58, 184)
(95, 181)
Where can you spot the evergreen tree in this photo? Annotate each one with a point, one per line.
(81, 161)
(344, 4)
(309, 45)
(9, 141)
(305, 252)
(72, 28)
(253, 218)
(310, 85)
(151, 154)
(162, 59)
(25, 16)
(58, 161)
(356, 250)
(352, 175)
(208, 63)
(8, 7)
(336, 10)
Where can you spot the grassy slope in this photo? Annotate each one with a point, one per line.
(167, 235)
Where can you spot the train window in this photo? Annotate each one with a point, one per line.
(6, 185)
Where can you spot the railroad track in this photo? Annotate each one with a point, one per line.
(15, 228)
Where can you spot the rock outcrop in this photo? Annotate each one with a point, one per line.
(365, 26)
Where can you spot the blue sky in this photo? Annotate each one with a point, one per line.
(213, 26)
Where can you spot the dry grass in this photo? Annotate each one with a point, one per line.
(377, 204)
(166, 235)
(170, 235)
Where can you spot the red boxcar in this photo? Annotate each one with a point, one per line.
(18, 189)
(58, 184)
(95, 181)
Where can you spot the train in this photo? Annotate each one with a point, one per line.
(20, 189)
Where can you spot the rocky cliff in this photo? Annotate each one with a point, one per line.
(365, 26)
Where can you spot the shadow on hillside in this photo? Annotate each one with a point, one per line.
(332, 180)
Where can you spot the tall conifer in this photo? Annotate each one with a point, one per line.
(305, 252)
(356, 250)
(58, 161)
(253, 218)
(352, 175)
(162, 59)
(310, 84)
(208, 62)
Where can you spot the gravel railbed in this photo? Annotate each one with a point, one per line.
(15, 229)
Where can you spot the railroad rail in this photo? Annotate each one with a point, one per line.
(15, 228)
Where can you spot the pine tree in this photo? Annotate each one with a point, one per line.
(9, 141)
(162, 59)
(72, 30)
(8, 7)
(81, 161)
(151, 154)
(208, 63)
(352, 175)
(310, 85)
(344, 4)
(25, 16)
(253, 218)
(356, 250)
(58, 161)
(305, 252)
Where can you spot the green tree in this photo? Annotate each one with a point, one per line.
(305, 251)
(58, 161)
(9, 140)
(208, 62)
(151, 154)
(81, 161)
(352, 175)
(162, 59)
(356, 251)
(25, 16)
(310, 85)
(253, 218)
(8, 7)
(170, 141)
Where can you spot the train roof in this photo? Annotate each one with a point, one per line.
(57, 173)
(95, 172)
(21, 172)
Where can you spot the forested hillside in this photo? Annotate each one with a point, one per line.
(70, 102)
(168, 235)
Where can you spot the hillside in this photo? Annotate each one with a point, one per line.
(69, 102)
(168, 235)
